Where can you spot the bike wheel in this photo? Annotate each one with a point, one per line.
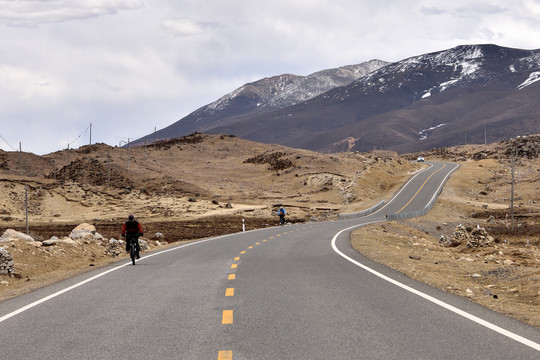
(133, 253)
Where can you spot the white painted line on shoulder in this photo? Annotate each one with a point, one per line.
(49, 297)
(454, 309)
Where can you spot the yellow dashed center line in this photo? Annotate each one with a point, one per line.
(436, 171)
(225, 355)
(228, 314)
(227, 317)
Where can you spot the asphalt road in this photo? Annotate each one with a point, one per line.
(292, 292)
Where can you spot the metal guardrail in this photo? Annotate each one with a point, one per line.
(412, 214)
(362, 213)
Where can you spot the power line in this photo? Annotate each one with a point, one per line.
(8, 144)
(78, 137)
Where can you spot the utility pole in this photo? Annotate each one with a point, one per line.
(514, 156)
(26, 206)
(20, 156)
(512, 193)
(108, 168)
(90, 134)
(128, 153)
(485, 136)
(68, 153)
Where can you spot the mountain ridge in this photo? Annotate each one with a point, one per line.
(438, 99)
(264, 95)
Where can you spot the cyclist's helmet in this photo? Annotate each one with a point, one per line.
(131, 217)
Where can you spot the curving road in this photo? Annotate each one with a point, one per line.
(293, 292)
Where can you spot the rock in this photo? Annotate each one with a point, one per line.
(143, 244)
(36, 237)
(459, 236)
(50, 242)
(12, 235)
(476, 276)
(508, 262)
(469, 293)
(479, 238)
(115, 247)
(6, 262)
(449, 241)
(68, 241)
(82, 230)
(86, 233)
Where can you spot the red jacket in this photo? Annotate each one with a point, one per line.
(132, 227)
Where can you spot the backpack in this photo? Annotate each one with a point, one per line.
(132, 226)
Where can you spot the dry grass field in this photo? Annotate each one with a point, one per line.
(205, 185)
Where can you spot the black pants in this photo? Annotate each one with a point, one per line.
(282, 219)
(129, 239)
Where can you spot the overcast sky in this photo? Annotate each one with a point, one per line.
(127, 66)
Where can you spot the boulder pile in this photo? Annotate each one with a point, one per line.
(6, 262)
(478, 237)
(459, 236)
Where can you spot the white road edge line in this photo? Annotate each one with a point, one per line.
(49, 297)
(460, 312)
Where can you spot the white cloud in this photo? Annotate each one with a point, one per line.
(187, 27)
(127, 66)
(25, 89)
(34, 12)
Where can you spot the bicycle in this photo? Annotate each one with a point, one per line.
(132, 247)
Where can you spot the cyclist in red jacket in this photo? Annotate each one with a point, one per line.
(132, 229)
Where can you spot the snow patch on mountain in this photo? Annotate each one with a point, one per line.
(534, 77)
(425, 133)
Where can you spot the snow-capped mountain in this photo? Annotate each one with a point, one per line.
(478, 92)
(469, 93)
(263, 96)
(310, 86)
